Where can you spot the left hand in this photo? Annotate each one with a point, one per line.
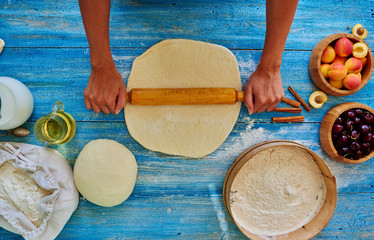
(263, 90)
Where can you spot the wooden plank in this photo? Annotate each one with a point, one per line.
(196, 217)
(163, 174)
(50, 71)
(234, 24)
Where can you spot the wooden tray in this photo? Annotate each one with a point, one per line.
(309, 230)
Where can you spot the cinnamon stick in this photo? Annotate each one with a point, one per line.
(288, 119)
(291, 102)
(287, 109)
(297, 96)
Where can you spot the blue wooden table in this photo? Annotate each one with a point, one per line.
(176, 197)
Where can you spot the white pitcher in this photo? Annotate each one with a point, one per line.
(16, 103)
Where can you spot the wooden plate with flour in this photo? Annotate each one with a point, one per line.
(280, 190)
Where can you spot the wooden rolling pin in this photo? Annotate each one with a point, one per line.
(184, 96)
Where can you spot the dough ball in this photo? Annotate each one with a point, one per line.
(190, 130)
(105, 172)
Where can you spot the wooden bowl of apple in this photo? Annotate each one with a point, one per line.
(341, 64)
(346, 132)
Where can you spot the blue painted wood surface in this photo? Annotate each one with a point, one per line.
(176, 197)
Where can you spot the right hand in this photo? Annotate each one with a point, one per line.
(105, 90)
(264, 89)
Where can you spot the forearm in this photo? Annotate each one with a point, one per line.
(279, 17)
(95, 16)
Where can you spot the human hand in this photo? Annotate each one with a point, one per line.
(263, 90)
(105, 91)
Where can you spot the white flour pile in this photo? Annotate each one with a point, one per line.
(277, 191)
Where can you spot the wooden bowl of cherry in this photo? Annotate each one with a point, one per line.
(315, 65)
(348, 137)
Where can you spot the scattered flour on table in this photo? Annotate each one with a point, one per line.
(246, 66)
(121, 58)
(121, 62)
(247, 138)
(220, 211)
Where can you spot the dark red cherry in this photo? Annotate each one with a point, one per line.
(358, 112)
(348, 125)
(357, 121)
(354, 146)
(342, 140)
(368, 118)
(368, 137)
(365, 148)
(343, 151)
(364, 129)
(337, 129)
(357, 155)
(349, 114)
(354, 134)
(339, 120)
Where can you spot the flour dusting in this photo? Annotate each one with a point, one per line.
(220, 210)
(246, 66)
(247, 138)
(122, 58)
(121, 62)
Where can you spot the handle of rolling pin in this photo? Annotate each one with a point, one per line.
(184, 96)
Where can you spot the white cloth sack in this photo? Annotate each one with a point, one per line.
(50, 171)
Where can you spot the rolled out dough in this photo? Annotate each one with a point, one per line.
(277, 191)
(191, 131)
